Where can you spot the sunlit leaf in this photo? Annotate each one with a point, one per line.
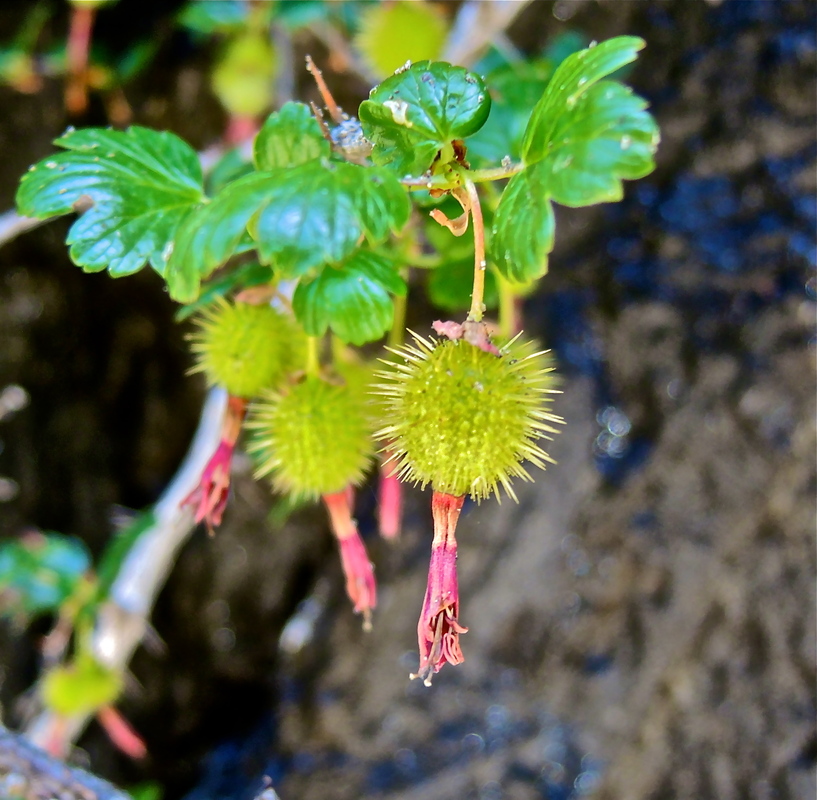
(214, 233)
(523, 227)
(353, 299)
(416, 114)
(39, 572)
(317, 213)
(289, 137)
(608, 138)
(141, 185)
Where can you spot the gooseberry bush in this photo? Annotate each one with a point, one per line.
(294, 265)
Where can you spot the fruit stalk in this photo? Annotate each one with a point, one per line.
(77, 50)
(477, 304)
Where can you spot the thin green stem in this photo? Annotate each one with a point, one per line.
(398, 324)
(507, 308)
(477, 304)
(495, 173)
(313, 361)
(452, 181)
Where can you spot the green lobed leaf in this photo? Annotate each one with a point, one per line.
(214, 233)
(608, 137)
(352, 299)
(417, 112)
(523, 228)
(142, 183)
(289, 137)
(38, 573)
(300, 219)
(317, 212)
(574, 77)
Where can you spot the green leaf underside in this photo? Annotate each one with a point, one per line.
(413, 114)
(574, 77)
(353, 300)
(299, 219)
(289, 137)
(39, 575)
(242, 277)
(523, 227)
(143, 184)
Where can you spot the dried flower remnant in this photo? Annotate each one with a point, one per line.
(360, 582)
(439, 628)
(210, 496)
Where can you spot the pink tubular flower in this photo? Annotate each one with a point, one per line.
(439, 629)
(121, 733)
(389, 500)
(360, 583)
(210, 496)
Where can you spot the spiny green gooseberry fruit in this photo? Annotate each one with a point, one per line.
(246, 348)
(81, 687)
(463, 419)
(312, 438)
(392, 33)
(244, 77)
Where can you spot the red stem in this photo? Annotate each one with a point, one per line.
(76, 53)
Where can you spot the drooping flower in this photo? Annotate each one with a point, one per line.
(121, 733)
(439, 628)
(389, 499)
(360, 582)
(210, 496)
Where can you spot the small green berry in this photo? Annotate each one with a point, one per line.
(246, 348)
(81, 687)
(313, 438)
(463, 419)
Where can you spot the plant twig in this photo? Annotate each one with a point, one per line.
(122, 619)
(13, 225)
(477, 24)
(478, 293)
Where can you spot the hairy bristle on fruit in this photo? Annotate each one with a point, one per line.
(464, 420)
(312, 438)
(245, 348)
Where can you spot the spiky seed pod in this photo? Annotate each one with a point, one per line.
(246, 348)
(313, 438)
(463, 419)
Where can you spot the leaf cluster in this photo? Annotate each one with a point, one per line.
(301, 213)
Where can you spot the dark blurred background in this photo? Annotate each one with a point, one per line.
(642, 623)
